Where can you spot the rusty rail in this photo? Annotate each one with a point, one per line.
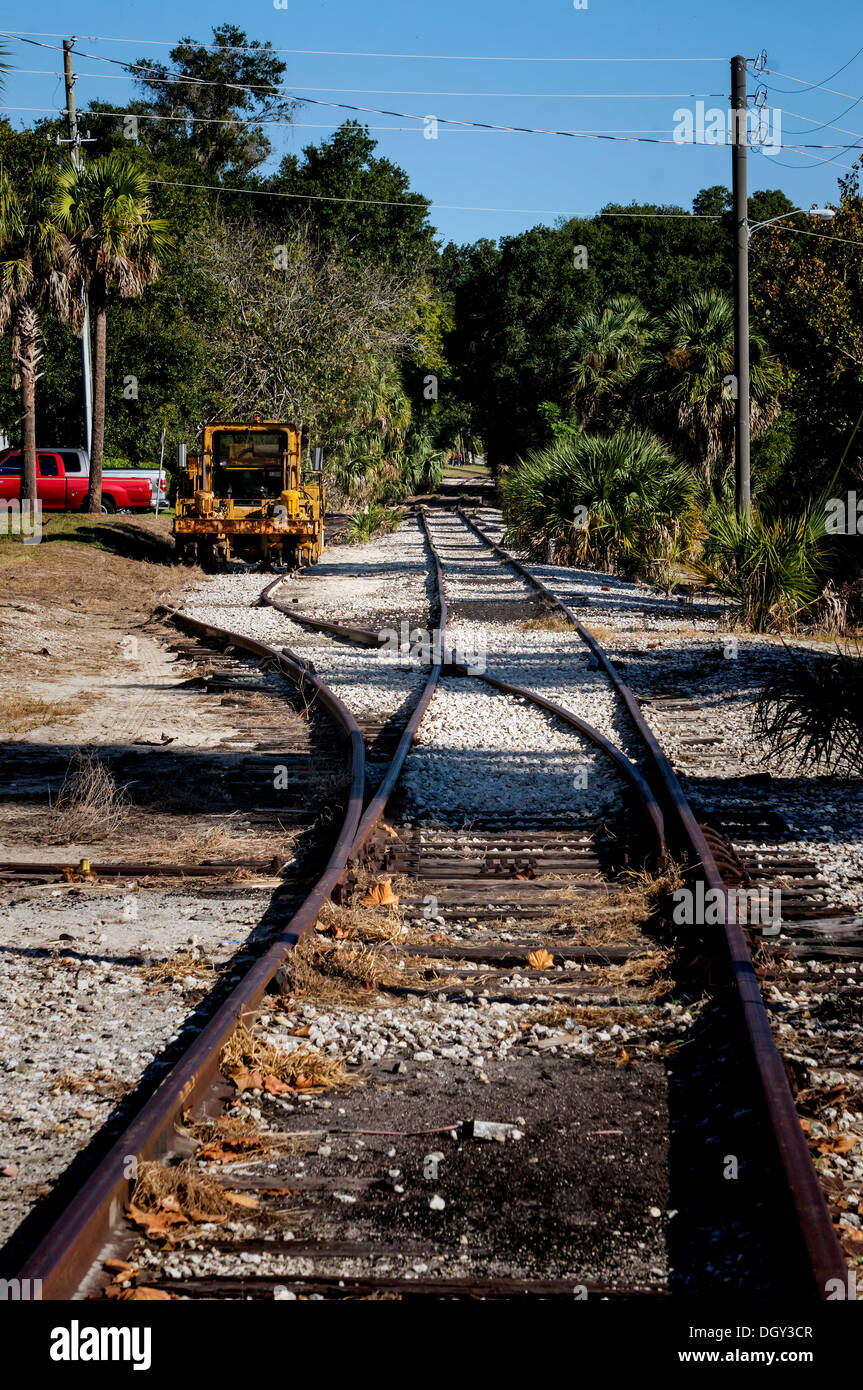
(825, 1254)
(347, 631)
(73, 1246)
(375, 809)
(649, 804)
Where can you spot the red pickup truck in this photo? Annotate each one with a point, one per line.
(62, 478)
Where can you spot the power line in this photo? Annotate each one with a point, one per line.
(392, 92)
(797, 116)
(822, 236)
(829, 78)
(292, 125)
(690, 216)
(821, 88)
(346, 53)
(828, 125)
(409, 115)
(349, 106)
(375, 202)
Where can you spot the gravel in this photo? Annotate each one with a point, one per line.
(83, 1022)
(668, 647)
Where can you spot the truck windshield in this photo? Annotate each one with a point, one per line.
(248, 463)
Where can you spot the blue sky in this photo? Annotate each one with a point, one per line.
(492, 184)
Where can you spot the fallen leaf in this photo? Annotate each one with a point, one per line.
(10, 1171)
(274, 1087)
(300, 1032)
(117, 1266)
(240, 1199)
(380, 895)
(302, 1083)
(524, 874)
(202, 1216)
(839, 1144)
(541, 959)
(155, 1223)
(623, 1059)
(227, 1150)
(246, 1080)
(388, 830)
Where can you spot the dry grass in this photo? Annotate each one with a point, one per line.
(231, 1140)
(602, 633)
(90, 805)
(334, 970)
(612, 918)
(21, 714)
(591, 1015)
(549, 622)
(199, 1198)
(650, 972)
(175, 968)
(197, 838)
(99, 1082)
(304, 1068)
(356, 923)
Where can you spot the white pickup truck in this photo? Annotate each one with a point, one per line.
(62, 477)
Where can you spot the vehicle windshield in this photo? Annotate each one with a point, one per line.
(247, 464)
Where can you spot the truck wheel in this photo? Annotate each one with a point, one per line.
(109, 506)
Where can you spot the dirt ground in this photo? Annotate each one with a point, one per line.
(101, 977)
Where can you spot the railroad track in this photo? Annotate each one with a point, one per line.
(522, 1152)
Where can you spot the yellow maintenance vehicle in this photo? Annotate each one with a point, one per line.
(247, 496)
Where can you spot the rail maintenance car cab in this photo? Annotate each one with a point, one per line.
(247, 496)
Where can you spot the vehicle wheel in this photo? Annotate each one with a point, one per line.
(108, 507)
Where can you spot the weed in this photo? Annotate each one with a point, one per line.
(89, 805)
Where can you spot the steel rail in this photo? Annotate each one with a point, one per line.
(827, 1262)
(376, 807)
(363, 635)
(646, 797)
(70, 1250)
(72, 1247)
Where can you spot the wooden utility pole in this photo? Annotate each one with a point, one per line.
(739, 137)
(75, 142)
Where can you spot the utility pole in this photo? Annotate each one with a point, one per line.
(75, 142)
(739, 137)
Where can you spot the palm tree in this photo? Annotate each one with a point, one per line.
(104, 209)
(688, 394)
(605, 350)
(33, 265)
(619, 501)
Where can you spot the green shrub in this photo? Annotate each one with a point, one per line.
(771, 570)
(813, 708)
(374, 521)
(620, 501)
